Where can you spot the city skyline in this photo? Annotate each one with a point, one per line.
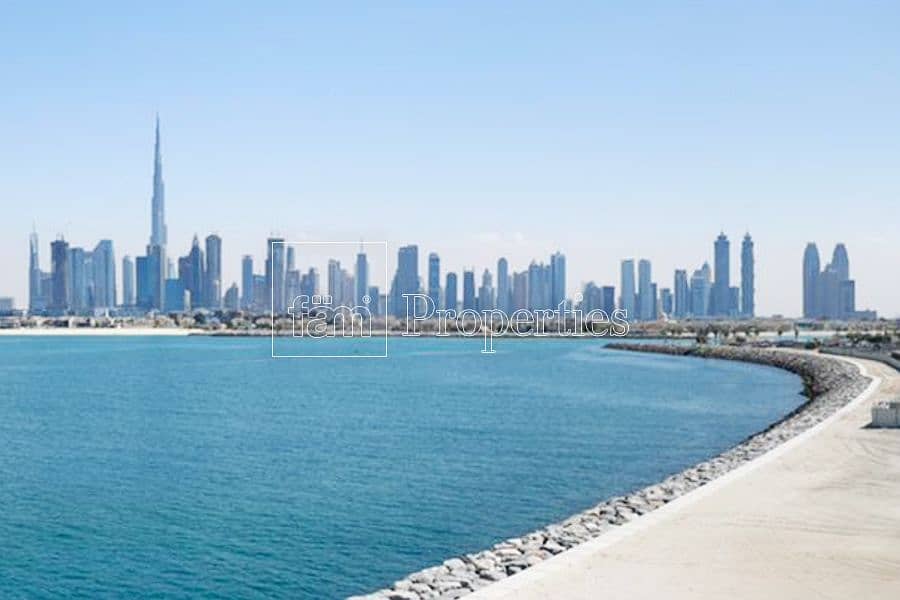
(81, 282)
(350, 130)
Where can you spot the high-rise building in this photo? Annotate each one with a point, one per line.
(177, 299)
(127, 281)
(748, 290)
(539, 287)
(79, 293)
(626, 300)
(154, 267)
(666, 302)
(832, 291)
(451, 298)
(469, 300)
(434, 279)
(811, 267)
(503, 281)
(486, 292)
(247, 302)
(275, 274)
(519, 291)
(36, 302)
(646, 297)
(406, 279)
(608, 299)
(60, 274)
(557, 281)
(682, 306)
(232, 298)
(158, 233)
(103, 266)
(361, 278)
(335, 282)
(212, 287)
(721, 296)
(701, 291)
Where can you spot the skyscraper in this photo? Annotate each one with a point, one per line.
(36, 302)
(450, 293)
(152, 271)
(469, 290)
(212, 287)
(127, 281)
(275, 274)
(486, 292)
(434, 279)
(103, 275)
(247, 300)
(626, 300)
(646, 295)
(682, 306)
(361, 278)
(79, 266)
(748, 305)
(406, 279)
(158, 232)
(810, 281)
(721, 295)
(192, 274)
(503, 291)
(557, 280)
(701, 292)
(59, 258)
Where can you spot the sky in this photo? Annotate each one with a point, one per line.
(473, 129)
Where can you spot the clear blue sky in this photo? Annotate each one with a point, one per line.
(471, 128)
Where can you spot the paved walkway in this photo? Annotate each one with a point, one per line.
(818, 517)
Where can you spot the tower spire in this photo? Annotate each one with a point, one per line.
(158, 201)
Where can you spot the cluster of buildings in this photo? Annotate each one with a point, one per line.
(542, 286)
(707, 293)
(829, 293)
(82, 281)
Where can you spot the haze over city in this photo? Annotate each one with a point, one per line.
(517, 133)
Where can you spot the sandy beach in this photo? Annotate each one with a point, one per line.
(817, 517)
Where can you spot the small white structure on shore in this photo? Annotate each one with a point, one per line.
(886, 414)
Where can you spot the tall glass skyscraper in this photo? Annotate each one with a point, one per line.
(247, 300)
(103, 275)
(748, 305)
(721, 294)
(646, 293)
(361, 281)
(127, 281)
(503, 291)
(811, 267)
(434, 279)
(450, 292)
(626, 300)
(557, 280)
(469, 290)
(212, 287)
(682, 306)
(406, 279)
(59, 258)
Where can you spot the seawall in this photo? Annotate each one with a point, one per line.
(830, 384)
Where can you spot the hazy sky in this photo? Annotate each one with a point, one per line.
(475, 129)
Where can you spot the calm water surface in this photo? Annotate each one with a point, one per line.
(199, 467)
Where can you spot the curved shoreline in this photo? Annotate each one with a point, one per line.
(831, 383)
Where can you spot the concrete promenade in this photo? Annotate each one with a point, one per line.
(817, 517)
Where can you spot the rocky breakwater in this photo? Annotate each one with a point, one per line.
(830, 384)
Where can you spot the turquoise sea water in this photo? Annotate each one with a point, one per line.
(201, 467)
